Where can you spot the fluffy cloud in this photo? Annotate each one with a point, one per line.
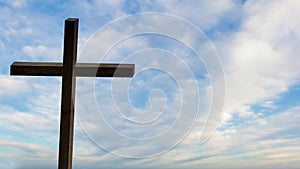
(254, 144)
(261, 59)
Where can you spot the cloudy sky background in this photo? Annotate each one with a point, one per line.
(257, 42)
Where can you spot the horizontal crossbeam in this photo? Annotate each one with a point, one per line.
(81, 69)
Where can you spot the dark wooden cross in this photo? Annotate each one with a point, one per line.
(69, 69)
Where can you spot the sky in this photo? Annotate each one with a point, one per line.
(216, 84)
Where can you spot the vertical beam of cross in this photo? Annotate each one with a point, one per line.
(69, 70)
(68, 95)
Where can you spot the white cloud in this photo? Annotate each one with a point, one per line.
(13, 24)
(32, 149)
(34, 109)
(204, 13)
(16, 3)
(261, 60)
(28, 123)
(11, 87)
(258, 141)
(92, 11)
(1, 45)
(258, 70)
(40, 51)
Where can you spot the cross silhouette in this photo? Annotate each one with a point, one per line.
(69, 69)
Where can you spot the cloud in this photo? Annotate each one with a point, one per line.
(204, 13)
(256, 142)
(258, 70)
(20, 155)
(178, 71)
(8, 87)
(16, 3)
(1, 45)
(261, 59)
(94, 14)
(33, 149)
(7, 163)
(33, 110)
(41, 51)
(207, 15)
(28, 123)
(265, 138)
(13, 24)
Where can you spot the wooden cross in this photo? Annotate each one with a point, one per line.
(69, 69)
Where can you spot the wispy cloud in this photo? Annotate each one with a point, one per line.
(258, 45)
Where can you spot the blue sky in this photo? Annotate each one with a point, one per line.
(168, 115)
